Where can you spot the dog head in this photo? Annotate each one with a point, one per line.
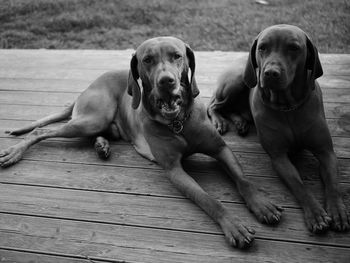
(282, 57)
(163, 65)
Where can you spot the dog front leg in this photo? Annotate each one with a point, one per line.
(316, 217)
(235, 232)
(334, 203)
(264, 210)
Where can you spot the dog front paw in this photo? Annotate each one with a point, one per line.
(337, 212)
(241, 124)
(220, 123)
(237, 234)
(264, 210)
(242, 127)
(316, 218)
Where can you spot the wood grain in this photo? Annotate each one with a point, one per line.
(123, 155)
(135, 244)
(62, 204)
(145, 211)
(15, 256)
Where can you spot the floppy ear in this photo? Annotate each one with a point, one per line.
(249, 74)
(192, 65)
(313, 64)
(133, 86)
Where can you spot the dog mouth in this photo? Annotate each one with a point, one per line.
(273, 85)
(171, 109)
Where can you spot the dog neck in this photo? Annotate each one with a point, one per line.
(287, 106)
(176, 125)
(289, 99)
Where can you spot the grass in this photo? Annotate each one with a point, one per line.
(204, 24)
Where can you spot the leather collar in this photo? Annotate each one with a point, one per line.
(177, 125)
(285, 108)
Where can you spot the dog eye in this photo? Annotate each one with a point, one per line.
(262, 48)
(293, 47)
(147, 60)
(177, 56)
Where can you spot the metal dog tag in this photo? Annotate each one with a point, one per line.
(177, 126)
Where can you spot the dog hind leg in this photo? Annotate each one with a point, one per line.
(80, 127)
(65, 114)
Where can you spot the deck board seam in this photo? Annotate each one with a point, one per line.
(159, 168)
(116, 143)
(122, 142)
(69, 256)
(78, 92)
(60, 106)
(176, 197)
(285, 240)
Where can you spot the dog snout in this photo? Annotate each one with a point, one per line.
(166, 79)
(272, 72)
(274, 76)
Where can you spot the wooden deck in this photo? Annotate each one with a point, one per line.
(62, 204)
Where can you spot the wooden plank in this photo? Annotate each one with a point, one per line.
(249, 143)
(27, 112)
(81, 151)
(149, 211)
(141, 181)
(87, 58)
(202, 75)
(37, 98)
(339, 59)
(32, 112)
(64, 98)
(333, 82)
(333, 91)
(14, 256)
(255, 164)
(70, 85)
(338, 127)
(135, 244)
(44, 85)
(66, 59)
(123, 155)
(252, 144)
(66, 181)
(40, 66)
(54, 73)
(111, 58)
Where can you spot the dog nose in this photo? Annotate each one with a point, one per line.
(166, 80)
(273, 73)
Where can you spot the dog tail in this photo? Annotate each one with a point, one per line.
(65, 114)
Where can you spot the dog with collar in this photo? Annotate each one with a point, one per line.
(154, 106)
(278, 90)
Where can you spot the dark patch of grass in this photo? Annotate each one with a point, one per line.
(204, 24)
